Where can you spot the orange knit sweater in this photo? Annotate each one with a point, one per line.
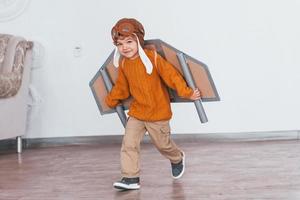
(150, 96)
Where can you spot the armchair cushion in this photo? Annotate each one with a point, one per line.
(12, 59)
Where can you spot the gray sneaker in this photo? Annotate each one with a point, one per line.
(128, 184)
(178, 168)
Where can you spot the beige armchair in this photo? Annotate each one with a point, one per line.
(15, 67)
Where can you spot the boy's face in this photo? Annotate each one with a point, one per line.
(128, 47)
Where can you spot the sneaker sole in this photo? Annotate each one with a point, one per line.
(183, 163)
(122, 186)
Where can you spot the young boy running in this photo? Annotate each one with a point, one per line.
(144, 74)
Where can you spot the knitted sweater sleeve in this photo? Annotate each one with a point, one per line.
(173, 78)
(119, 91)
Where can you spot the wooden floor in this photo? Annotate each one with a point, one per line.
(215, 170)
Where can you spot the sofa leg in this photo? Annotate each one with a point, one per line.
(19, 144)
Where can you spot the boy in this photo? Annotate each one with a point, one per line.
(143, 75)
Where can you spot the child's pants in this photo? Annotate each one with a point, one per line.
(159, 133)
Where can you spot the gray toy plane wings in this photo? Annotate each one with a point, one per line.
(195, 73)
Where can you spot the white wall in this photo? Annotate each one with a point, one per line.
(252, 49)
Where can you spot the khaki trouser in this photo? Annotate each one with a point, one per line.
(159, 133)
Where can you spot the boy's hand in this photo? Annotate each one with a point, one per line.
(196, 95)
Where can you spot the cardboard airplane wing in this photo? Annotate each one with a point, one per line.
(195, 73)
